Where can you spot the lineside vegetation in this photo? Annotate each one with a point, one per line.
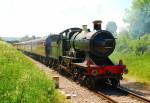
(136, 55)
(22, 82)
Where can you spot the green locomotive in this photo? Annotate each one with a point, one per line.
(81, 52)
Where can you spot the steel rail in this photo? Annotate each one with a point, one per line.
(132, 94)
(105, 97)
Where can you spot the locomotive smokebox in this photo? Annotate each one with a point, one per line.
(100, 43)
(97, 25)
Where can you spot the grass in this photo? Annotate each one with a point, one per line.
(137, 64)
(22, 81)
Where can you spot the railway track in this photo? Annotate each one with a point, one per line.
(123, 95)
(107, 98)
(122, 90)
(132, 94)
(97, 93)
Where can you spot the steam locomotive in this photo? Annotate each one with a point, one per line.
(81, 52)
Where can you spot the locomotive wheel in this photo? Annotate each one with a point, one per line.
(75, 74)
(115, 82)
(42, 60)
(60, 69)
(50, 63)
(83, 81)
(90, 82)
(56, 65)
(46, 61)
(53, 64)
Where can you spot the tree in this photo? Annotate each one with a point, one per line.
(0, 38)
(33, 37)
(138, 17)
(25, 38)
(111, 26)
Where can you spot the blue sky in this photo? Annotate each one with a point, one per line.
(41, 17)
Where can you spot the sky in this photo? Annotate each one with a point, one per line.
(42, 17)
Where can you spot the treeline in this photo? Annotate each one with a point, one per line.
(136, 47)
(138, 18)
(135, 38)
(16, 40)
(26, 38)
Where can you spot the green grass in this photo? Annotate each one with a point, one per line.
(22, 81)
(137, 63)
(138, 66)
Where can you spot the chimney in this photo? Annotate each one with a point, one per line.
(97, 25)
